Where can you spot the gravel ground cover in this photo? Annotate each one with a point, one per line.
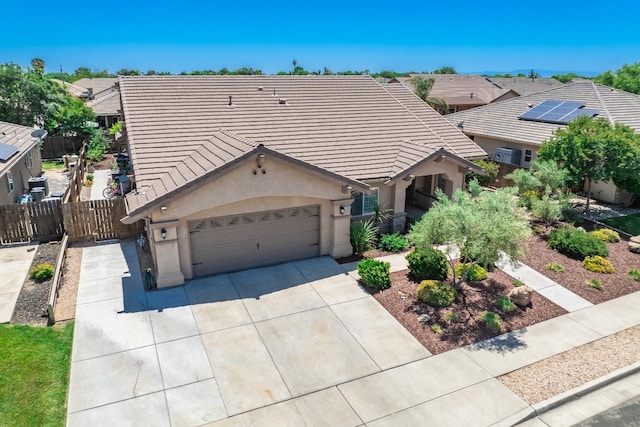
(573, 368)
(65, 308)
(31, 307)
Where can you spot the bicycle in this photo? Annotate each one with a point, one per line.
(112, 190)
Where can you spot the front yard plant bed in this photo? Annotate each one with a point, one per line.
(461, 323)
(31, 306)
(575, 276)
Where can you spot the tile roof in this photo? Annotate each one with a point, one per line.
(97, 85)
(500, 120)
(461, 89)
(106, 105)
(21, 137)
(524, 85)
(73, 89)
(350, 126)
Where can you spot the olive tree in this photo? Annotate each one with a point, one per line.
(481, 224)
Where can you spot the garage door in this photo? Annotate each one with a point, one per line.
(241, 241)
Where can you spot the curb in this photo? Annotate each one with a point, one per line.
(577, 392)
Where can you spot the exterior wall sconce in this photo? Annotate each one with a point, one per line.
(408, 178)
(346, 189)
(163, 210)
(163, 233)
(341, 209)
(260, 160)
(441, 158)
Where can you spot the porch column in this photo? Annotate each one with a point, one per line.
(399, 205)
(340, 228)
(166, 254)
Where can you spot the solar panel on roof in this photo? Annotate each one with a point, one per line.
(6, 151)
(556, 112)
(580, 112)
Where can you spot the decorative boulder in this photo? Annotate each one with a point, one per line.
(635, 239)
(521, 296)
(634, 247)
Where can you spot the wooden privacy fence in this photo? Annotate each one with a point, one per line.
(54, 147)
(41, 220)
(76, 178)
(89, 220)
(98, 220)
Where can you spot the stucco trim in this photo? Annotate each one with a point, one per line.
(145, 210)
(440, 154)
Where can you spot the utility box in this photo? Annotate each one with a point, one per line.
(508, 155)
(39, 181)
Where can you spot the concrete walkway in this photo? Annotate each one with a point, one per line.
(293, 344)
(100, 178)
(15, 262)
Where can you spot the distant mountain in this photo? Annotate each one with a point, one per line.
(543, 73)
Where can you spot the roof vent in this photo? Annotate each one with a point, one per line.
(260, 88)
(282, 101)
(230, 102)
(274, 91)
(471, 94)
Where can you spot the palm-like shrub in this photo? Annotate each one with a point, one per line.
(363, 236)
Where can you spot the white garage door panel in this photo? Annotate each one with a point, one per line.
(250, 240)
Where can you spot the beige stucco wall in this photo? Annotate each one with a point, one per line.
(21, 175)
(604, 191)
(489, 145)
(239, 190)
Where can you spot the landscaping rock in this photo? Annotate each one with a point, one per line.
(635, 239)
(634, 247)
(419, 309)
(424, 318)
(521, 296)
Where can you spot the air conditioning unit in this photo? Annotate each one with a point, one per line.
(508, 155)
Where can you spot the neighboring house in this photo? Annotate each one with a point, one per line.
(512, 131)
(73, 89)
(463, 91)
(525, 86)
(234, 172)
(103, 98)
(19, 160)
(98, 86)
(107, 108)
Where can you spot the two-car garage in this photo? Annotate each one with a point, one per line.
(234, 242)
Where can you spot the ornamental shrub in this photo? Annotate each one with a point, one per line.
(427, 263)
(42, 272)
(597, 264)
(576, 243)
(393, 242)
(363, 236)
(374, 273)
(492, 321)
(476, 273)
(505, 304)
(606, 235)
(436, 293)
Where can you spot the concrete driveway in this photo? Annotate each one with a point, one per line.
(293, 344)
(15, 262)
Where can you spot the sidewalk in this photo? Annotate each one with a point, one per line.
(584, 323)
(100, 178)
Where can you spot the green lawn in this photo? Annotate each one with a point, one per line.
(629, 223)
(48, 165)
(34, 374)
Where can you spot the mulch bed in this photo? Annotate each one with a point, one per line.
(401, 301)
(31, 307)
(575, 276)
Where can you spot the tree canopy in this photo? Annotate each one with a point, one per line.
(445, 70)
(480, 223)
(422, 87)
(27, 97)
(592, 149)
(626, 78)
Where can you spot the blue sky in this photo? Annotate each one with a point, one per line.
(352, 34)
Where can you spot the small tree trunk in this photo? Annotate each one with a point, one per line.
(588, 194)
